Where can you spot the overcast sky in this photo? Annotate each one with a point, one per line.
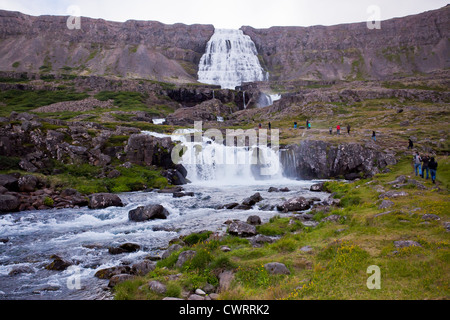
(229, 13)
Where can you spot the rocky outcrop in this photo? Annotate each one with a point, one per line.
(147, 150)
(313, 159)
(418, 43)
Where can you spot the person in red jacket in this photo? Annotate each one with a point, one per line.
(338, 129)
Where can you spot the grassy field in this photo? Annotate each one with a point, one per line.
(342, 251)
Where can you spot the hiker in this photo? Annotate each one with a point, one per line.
(348, 129)
(425, 165)
(307, 124)
(338, 128)
(374, 136)
(433, 168)
(417, 162)
(270, 126)
(410, 144)
(295, 125)
(331, 130)
(260, 125)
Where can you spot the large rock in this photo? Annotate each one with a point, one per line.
(143, 267)
(10, 182)
(296, 204)
(104, 200)
(150, 212)
(241, 229)
(184, 257)
(117, 279)
(276, 268)
(8, 203)
(28, 183)
(108, 273)
(147, 150)
(251, 201)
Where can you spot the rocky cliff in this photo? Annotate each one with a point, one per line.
(413, 44)
(134, 49)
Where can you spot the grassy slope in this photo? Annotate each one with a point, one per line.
(342, 252)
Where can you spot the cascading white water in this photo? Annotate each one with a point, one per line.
(230, 59)
(208, 161)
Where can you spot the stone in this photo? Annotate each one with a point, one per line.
(125, 248)
(307, 249)
(184, 257)
(333, 218)
(295, 204)
(316, 187)
(108, 273)
(259, 240)
(406, 243)
(276, 268)
(225, 249)
(115, 280)
(8, 203)
(196, 297)
(171, 299)
(142, 268)
(430, 216)
(10, 182)
(20, 270)
(385, 204)
(241, 229)
(104, 200)
(58, 264)
(225, 279)
(251, 201)
(200, 292)
(254, 220)
(214, 296)
(173, 248)
(157, 287)
(393, 194)
(231, 205)
(273, 189)
(150, 212)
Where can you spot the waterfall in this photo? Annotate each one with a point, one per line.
(208, 161)
(230, 59)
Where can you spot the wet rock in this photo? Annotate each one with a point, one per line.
(273, 189)
(251, 201)
(316, 187)
(20, 270)
(241, 229)
(110, 272)
(117, 279)
(8, 203)
(242, 207)
(295, 204)
(149, 212)
(276, 268)
(124, 248)
(58, 264)
(104, 200)
(183, 194)
(254, 220)
(184, 257)
(10, 182)
(230, 206)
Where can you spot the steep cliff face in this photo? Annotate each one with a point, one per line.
(413, 44)
(141, 49)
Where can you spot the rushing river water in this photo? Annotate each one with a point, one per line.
(82, 236)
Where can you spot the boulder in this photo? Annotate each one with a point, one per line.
(157, 287)
(110, 272)
(58, 264)
(115, 280)
(8, 203)
(150, 212)
(316, 187)
(393, 194)
(296, 204)
(225, 279)
(385, 204)
(430, 216)
(251, 201)
(28, 183)
(124, 248)
(241, 229)
(104, 200)
(254, 220)
(173, 248)
(184, 257)
(276, 268)
(333, 218)
(143, 267)
(10, 182)
(406, 243)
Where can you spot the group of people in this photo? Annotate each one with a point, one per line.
(425, 164)
(308, 125)
(338, 129)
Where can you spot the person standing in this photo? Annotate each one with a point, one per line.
(307, 124)
(417, 162)
(270, 126)
(433, 168)
(338, 128)
(374, 136)
(425, 165)
(295, 125)
(331, 130)
(348, 129)
(410, 144)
